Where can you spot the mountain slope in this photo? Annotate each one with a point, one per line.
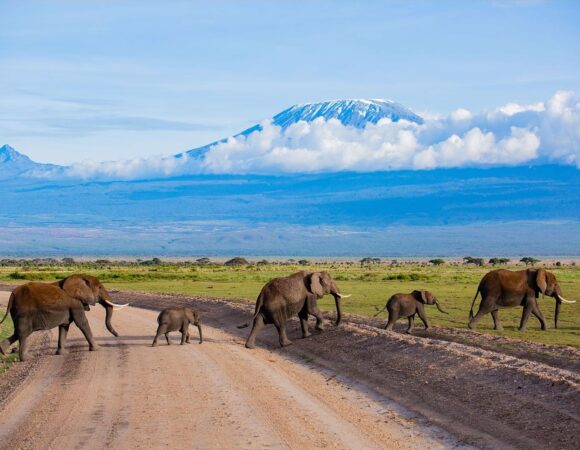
(356, 113)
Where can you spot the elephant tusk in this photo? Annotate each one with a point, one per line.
(343, 296)
(563, 300)
(115, 306)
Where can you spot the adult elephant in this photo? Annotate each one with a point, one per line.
(505, 288)
(42, 306)
(282, 298)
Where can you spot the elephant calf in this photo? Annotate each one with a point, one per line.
(407, 305)
(173, 319)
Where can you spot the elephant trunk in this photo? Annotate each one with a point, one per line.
(200, 333)
(109, 314)
(439, 308)
(338, 309)
(557, 312)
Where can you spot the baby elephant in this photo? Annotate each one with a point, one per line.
(173, 319)
(407, 305)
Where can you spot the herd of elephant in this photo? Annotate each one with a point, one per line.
(42, 306)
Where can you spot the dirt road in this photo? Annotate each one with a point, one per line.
(214, 395)
(355, 386)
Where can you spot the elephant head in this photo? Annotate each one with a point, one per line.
(89, 291)
(320, 284)
(425, 297)
(428, 298)
(548, 285)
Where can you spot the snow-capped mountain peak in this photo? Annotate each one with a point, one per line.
(352, 112)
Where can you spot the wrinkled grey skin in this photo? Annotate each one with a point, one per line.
(506, 288)
(42, 306)
(177, 319)
(407, 305)
(282, 298)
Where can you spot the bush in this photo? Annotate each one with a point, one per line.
(237, 261)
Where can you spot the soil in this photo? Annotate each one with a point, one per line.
(352, 386)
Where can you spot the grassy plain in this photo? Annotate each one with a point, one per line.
(370, 287)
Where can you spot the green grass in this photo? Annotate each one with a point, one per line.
(370, 287)
(6, 330)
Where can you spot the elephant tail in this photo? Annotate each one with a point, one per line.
(473, 303)
(380, 311)
(7, 308)
(259, 304)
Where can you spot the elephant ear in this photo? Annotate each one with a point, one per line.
(425, 296)
(419, 296)
(314, 285)
(79, 288)
(541, 280)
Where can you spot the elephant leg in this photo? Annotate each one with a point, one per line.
(540, 316)
(62, 333)
(6, 343)
(187, 337)
(303, 315)
(167, 338)
(391, 322)
(257, 326)
(283, 338)
(411, 324)
(525, 315)
(496, 323)
(423, 317)
(484, 309)
(157, 335)
(315, 311)
(183, 334)
(80, 320)
(23, 350)
(23, 329)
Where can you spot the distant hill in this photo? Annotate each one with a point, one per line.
(15, 164)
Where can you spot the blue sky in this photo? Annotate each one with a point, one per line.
(106, 80)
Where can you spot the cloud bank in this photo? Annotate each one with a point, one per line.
(512, 134)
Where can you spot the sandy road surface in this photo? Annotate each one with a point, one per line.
(214, 395)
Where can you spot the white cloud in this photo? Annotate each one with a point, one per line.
(509, 135)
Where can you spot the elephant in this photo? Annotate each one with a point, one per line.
(173, 319)
(407, 305)
(282, 298)
(505, 289)
(42, 306)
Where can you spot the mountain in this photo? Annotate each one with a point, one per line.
(13, 163)
(356, 113)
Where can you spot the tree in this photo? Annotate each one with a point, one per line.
(529, 260)
(472, 260)
(303, 262)
(493, 261)
(203, 261)
(368, 261)
(437, 261)
(68, 261)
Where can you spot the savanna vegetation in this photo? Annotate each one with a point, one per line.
(370, 281)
